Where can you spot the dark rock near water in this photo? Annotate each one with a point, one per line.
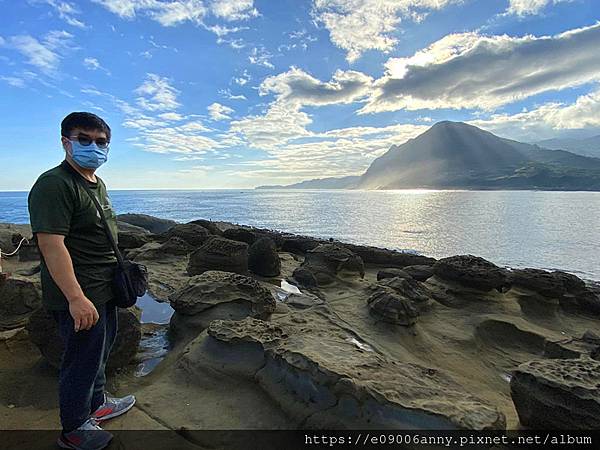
(240, 234)
(391, 273)
(263, 258)
(43, 332)
(154, 250)
(571, 291)
(150, 223)
(195, 235)
(300, 244)
(211, 226)
(327, 261)
(133, 239)
(219, 253)
(558, 394)
(19, 297)
(124, 226)
(386, 257)
(471, 271)
(419, 272)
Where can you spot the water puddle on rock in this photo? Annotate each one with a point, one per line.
(154, 344)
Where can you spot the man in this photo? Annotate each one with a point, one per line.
(77, 267)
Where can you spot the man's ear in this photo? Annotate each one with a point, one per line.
(66, 144)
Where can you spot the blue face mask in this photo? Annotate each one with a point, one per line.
(89, 157)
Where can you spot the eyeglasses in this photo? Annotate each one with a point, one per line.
(84, 140)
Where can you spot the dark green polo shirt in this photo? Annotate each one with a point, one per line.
(59, 205)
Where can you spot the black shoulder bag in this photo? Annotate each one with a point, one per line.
(130, 279)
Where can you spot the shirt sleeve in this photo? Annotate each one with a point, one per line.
(51, 206)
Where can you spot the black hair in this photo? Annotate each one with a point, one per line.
(85, 121)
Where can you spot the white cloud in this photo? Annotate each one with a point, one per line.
(92, 63)
(243, 79)
(360, 25)
(45, 54)
(14, 81)
(469, 70)
(171, 116)
(260, 56)
(228, 95)
(219, 112)
(157, 94)
(297, 86)
(233, 9)
(529, 7)
(546, 120)
(67, 11)
(171, 13)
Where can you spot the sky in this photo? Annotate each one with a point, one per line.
(239, 93)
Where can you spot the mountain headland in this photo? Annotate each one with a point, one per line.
(455, 155)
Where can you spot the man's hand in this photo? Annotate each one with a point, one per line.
(84, 313)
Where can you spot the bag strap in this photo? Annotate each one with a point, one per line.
(80, 180)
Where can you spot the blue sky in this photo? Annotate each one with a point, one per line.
(240, 93)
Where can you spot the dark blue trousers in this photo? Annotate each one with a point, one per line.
(82, 370)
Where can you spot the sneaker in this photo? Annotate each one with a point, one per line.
(89, 436)
(113, 407)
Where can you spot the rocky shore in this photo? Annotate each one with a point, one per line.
(275, 330)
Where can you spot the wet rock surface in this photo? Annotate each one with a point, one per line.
(173, 247)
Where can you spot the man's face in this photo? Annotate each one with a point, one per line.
(83, 136)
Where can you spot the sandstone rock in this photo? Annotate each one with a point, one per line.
(299, 244)
(219, 253)
(558, 394)
(8, 230)
(217, 295)
(240, 234)
(28, 250)
(571, 291)
(19, 297)
(386, 257)
(323, 376)
(263, 258)
(195, 235)
(411, 289)
(391, 273)
(124, 226)
(154, 250)
(150, 223)
(132, 239)
(304, 278)
(327, 261)
(211, 226)
(215, 287)
(43, 332)
(385, 303)
(419, 272)
(471, 271)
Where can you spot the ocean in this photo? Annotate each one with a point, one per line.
(547, 230)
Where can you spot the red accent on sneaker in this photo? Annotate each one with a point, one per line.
(103, 412)
(75, 440)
